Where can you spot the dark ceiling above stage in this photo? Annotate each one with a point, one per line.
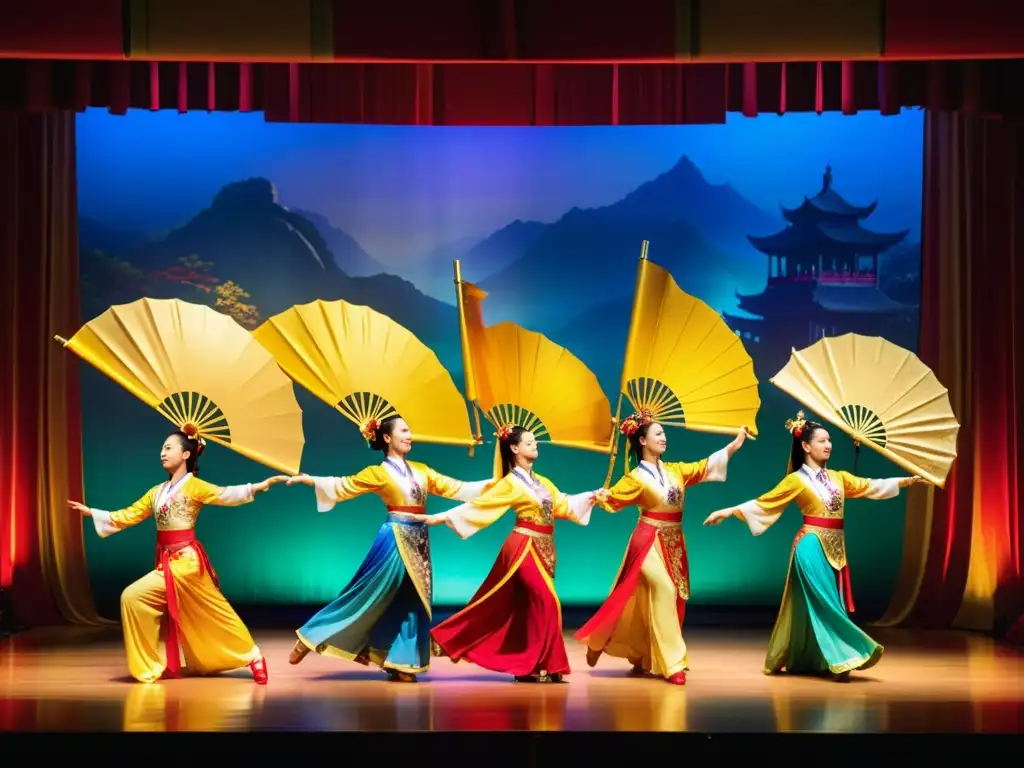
(648, 31)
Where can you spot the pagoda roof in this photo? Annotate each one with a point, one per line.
(827, 202)
(856, 299)
(822, 238)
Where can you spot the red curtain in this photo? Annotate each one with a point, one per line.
(513, 94)
(962, 558)
(42, 561)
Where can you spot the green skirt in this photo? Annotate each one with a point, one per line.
(813, 634)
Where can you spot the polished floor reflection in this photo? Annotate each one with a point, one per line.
(939, 682)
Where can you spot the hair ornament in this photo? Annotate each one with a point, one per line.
(368, 430)
(504, 433)
(631, 424)
(796, 426)
(191, 431)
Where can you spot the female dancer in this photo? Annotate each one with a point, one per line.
(642, 618)
(383, 614)
(813, 633)
(513, 624)
(183, 583)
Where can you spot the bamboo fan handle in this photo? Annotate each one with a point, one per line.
(61, 340)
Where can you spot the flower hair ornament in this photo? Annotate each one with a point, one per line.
(631, 424)
(192, 432)
(369, 430)
(504, 433)
(796, 426)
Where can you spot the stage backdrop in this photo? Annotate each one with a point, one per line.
(254, 217)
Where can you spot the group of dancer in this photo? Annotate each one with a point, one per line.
(513, 624)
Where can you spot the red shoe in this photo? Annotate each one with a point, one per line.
(259, 670)
(679, 678)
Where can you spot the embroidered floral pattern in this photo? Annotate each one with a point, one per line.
(674, 497)
(673, 549)
(414, 544)
(544, 546)
(178, 514)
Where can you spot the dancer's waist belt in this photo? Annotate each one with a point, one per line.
(168, 543)
(527, 528)
(411, 509)
(835, 523)
(654, 518)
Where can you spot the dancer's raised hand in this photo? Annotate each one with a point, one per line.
(299, 480)
(80, 508)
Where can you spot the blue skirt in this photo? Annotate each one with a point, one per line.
(382, 616)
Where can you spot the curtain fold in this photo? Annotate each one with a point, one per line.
(42, 561)
(962, 553)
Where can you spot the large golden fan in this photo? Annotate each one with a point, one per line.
(201, 370)
(683, 363)
(516, 376)
(879, 394)
(368, 367)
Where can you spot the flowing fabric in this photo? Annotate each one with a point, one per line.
(813, 633)
(513, 624)
(382, 616)
(203, 629)
(379, 617)
(642, 618)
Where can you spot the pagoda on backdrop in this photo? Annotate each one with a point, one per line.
(822, 281)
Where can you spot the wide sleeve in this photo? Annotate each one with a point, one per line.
(861, 488)
(576, 507)
(467, 519)
(450, 488)
(220, 495)
(333, 490)
(713, 469)
(761, 513)
(626, 492)
(108, 523)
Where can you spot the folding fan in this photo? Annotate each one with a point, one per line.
(683, 364)
(879, 394)
(368, 367)
(517, 376)
(201, 370)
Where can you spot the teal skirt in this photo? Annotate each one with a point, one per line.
(813, 634)
(381, 617)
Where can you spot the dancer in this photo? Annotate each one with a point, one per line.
(513, 624)
(383, 615)
(202, 623)
(642, 618)
(813, 633)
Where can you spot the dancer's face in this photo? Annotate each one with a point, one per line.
(173, 454)
(655, 441)
(400, 437)
(527, 447)
(819, 447)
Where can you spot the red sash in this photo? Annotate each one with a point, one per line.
(547, 530)
(167, 543)
(415, 510)
(843, 576)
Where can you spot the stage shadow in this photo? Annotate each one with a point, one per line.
(481, 678)
(358, 674)
(617, 674)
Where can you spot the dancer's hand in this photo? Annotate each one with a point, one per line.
(601, 495)
(265, 485)
(299, 479)
(915, 480)
(79, 507)
(411, 517)
(717, 518)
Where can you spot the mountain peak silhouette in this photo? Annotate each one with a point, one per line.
(251, 193)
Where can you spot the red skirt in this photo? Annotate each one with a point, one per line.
(673, 550)
(513, 624)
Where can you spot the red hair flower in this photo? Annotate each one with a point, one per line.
(505, 432)
(369, 430)
(796, 426)
(631, 424)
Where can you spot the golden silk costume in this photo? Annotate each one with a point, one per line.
(212, 638)
(830, 642)
(641, 619)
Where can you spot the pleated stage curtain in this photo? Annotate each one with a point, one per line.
(42, 560)
(962, 554)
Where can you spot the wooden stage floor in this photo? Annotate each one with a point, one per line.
(941, 682)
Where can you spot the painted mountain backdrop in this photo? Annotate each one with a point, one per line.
(252, 256)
